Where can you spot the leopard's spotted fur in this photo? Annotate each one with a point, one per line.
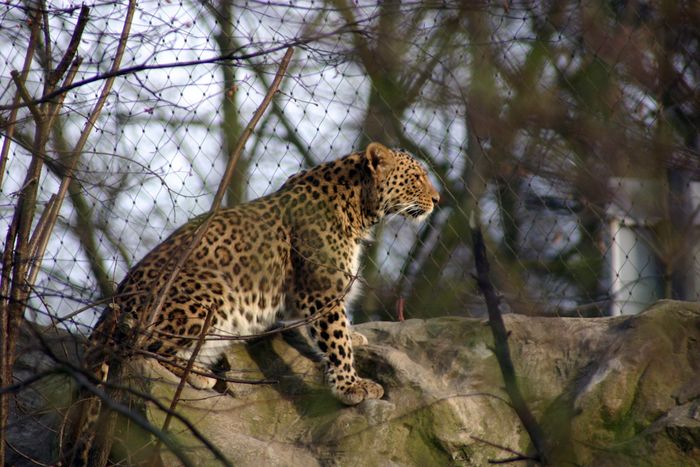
(294, 252)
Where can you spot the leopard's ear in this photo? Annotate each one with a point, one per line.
(376, 157)
(375, 161)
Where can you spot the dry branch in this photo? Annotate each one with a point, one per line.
(501, 348)
(201, 230)
(103, 453)
(11, 120)
(24, 249)
(183, 378)
(50, 221)
(234, 56)
(13, 244)
(93, 385)
(159, 299)
(72, 48)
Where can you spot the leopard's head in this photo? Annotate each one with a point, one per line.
(396, 183)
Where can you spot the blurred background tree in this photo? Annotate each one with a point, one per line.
(526, 110)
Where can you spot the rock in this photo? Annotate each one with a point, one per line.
(37, 410)
(607, 391)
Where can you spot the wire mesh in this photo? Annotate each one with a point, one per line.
(529, 112)
(570, 128)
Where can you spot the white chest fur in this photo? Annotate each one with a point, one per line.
(356, 280)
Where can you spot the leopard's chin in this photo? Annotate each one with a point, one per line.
(418, 214)
(415, 212)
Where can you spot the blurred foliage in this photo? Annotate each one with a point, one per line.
(523, 111)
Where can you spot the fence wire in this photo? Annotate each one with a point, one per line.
(571, 127)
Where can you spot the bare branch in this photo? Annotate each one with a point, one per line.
(88, 381)
(24, 94)
(72, 48)
(183, 378)
(127, 412)
(201, 230)
(10, 128)
(238, 149)
(502, 350)
(15, 243)
(229, 57)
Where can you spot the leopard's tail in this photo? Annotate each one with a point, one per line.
(84, 425)
(84, 416)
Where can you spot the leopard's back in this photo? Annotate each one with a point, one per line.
(237, 272)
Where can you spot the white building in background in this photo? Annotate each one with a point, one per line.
(636, 270)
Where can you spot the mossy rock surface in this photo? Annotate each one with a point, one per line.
(608, 391)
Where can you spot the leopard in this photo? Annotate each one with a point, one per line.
(293, 254)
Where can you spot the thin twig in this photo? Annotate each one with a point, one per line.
(20, 385)
(28, 458)
(160, 358)
(94, 304)
(509, 460)
(199, 233)
(220, 58)
(26, 97)
(238, 149)
(183, 378)
(11, 120)
(90, 382)
(201, 230)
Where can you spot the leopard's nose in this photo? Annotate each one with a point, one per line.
(436, 198)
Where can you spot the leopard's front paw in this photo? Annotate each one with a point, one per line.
(358, 391)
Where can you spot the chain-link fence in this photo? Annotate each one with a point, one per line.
(570, 127)
(544, 116)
